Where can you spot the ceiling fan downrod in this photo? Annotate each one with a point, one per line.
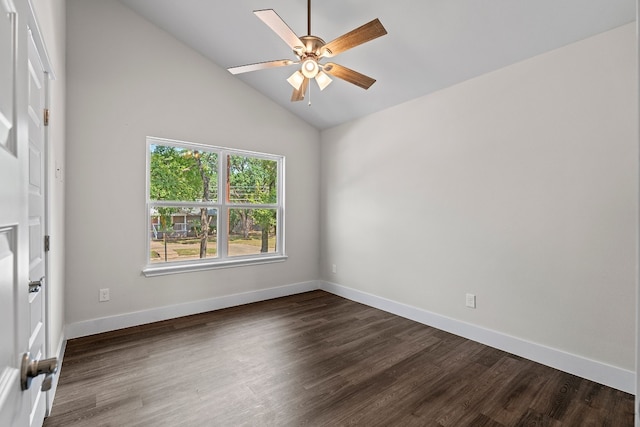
(308, 17)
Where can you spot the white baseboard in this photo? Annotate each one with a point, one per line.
(599, 372)
(59, 354)
(112, 323)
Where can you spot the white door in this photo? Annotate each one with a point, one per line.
(14, 239)
(37, 221)
(22, 220)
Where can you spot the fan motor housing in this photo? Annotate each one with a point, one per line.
(312, 47)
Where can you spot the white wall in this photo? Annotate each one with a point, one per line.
(518, 186)
(51, 20)
(128, 79)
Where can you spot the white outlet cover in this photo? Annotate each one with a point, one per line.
(471, 301)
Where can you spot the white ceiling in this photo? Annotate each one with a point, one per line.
(430, 45)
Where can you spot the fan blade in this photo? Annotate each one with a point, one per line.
(367, 32)
(260, 66)
(298, 94)
(273, 21)
(349, 75)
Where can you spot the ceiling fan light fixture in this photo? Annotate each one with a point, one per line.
(296, 80)
(323, 80)
(310, 68)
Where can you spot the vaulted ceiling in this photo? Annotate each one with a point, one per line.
(430, 45)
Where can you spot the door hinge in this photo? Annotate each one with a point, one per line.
(46, 117)
(47, 243)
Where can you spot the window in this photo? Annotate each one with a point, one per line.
(210, 207)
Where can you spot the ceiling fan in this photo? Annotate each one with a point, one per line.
(310, 49)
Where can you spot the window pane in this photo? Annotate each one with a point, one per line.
(182, 174)
(177, 234)
(252, 231)
(252, 180)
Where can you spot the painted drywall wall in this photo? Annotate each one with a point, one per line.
(51, 20)
(128, 79)
(518, 186)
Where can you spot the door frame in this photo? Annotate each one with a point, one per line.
(637, 399)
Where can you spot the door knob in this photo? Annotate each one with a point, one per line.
(32, 368)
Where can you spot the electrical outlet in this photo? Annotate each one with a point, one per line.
(471, 301)
(334, 269)
(104, 295)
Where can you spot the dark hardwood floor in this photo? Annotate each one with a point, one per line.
(319, 360)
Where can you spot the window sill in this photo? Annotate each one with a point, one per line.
(161, 270)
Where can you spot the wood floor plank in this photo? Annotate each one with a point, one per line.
(319, 360)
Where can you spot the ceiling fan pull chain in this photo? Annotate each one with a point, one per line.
(309, 90)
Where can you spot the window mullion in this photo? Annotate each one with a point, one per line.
(223, 218)
(280, 228)
(223, 234)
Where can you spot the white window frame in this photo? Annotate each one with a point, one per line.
(222, 206)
